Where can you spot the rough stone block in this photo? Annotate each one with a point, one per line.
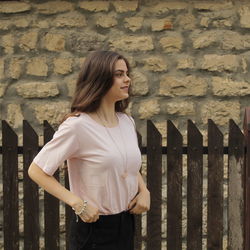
(37, 66)
(28, 40)
(182, 86)
(204, 39)
(133, 23)
(226, 87)
(8, 43)
(212, 6)
(54, 42)
(37, 89)
(63, 65)
(179, 108)
(71, 84)
(15, 68)
(165, 7)
(244, 13)
(220, 112)
(19, 22)
(125, 6)
(106, 21)
(53, 7)
(171, 43)
(14, 7)
(220, 63)
(94, 6)
(14, 115)
(132, 43)
(85, 41)
(155, 63)
(185, 63)
(2, 90)
(53, 112)
(149, 108)
(139, 83)
(186, 22)
(235, 41)
(70, 19)
(161, 24)
(1, 68)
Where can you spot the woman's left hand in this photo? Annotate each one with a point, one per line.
(141, 202)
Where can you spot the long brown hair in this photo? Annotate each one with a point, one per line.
(94, 81)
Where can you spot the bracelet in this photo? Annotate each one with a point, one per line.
(81, 211)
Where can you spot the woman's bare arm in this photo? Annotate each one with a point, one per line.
(52, 186)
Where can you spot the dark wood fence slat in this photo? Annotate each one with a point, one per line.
(247, 179)
(68, 212)
(138, 218)
(174, 187)
(30, 190)
(235, 187)
(215, 187)
(51, 205)
(154, 184)
(10, 188)
(194, 187)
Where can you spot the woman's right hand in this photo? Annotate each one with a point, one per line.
(90, 214)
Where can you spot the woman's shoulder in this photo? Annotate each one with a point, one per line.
(126, 117)
(71, 122)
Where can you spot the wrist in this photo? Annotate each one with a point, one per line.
(76, 203)
(143, 190)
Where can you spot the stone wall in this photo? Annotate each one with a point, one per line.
(190, 60)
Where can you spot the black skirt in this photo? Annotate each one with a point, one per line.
(109, 232)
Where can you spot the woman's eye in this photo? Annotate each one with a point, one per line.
(119, 74)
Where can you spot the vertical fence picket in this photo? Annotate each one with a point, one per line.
(30, 190)
(68, 212)
(235, 187)
(247, 180)
(10, 187)
(51, 205)
(194, 187)
(138, 218)
(174, 187)
(154, 183)
(215, 188)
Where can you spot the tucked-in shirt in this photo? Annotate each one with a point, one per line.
(103, 163)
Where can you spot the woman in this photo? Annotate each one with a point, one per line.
(98, 140)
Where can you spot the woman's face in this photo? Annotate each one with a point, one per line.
(121, 82)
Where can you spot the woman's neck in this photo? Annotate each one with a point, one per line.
(106, 114)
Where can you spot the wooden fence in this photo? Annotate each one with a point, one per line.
(237, 182)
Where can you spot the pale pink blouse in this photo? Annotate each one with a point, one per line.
(103, 163)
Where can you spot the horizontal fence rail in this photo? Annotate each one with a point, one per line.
(202, 163)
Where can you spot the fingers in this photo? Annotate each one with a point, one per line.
(132, 204)
(139, 208)
(90, 215)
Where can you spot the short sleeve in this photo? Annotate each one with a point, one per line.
(63, 146)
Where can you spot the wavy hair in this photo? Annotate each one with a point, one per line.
(94, 81)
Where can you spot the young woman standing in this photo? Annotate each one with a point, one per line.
(98, 140)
